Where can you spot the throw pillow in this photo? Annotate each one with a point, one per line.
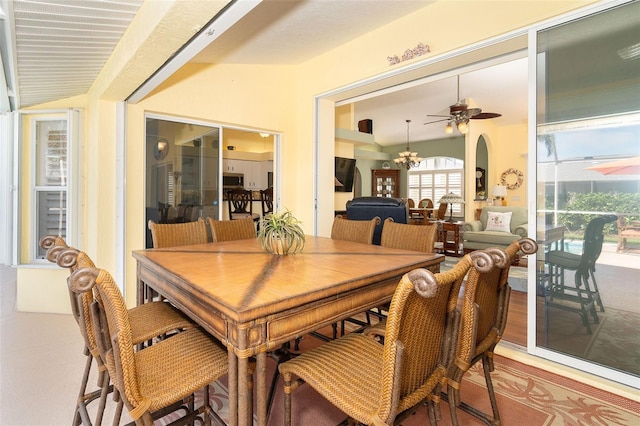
(499, 221)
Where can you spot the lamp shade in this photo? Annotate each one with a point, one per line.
(451, 198)
(499, 191)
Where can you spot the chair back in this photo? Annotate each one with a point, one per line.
(112, 331)
(593, 239)
(420, 337)
(485, 303)
(411, 203)
(228, 230)
(357, 231)
(409, 237)
(442, 211)
(239, 202)
(425, 202)
(266, 195)
(178, 234)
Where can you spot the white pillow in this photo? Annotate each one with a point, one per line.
(499, 221)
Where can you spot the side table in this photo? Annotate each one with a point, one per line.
(450, 233)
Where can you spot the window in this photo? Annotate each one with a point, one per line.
(51, 179)
(435, 177)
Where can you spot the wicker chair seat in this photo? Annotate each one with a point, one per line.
(342, 358)
(176, 367)
(155, 319)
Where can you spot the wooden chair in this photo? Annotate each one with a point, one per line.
(375, 383)
(442, 211)
(266, 195)
(159, 379)
(485, 304)
(240, 204)
(178, 234)
(627, 229)
(148, 321)
(228, 230)
(357, 231)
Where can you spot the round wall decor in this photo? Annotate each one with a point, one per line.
(512, 178)
(386, 165)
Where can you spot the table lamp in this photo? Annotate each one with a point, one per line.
(451, 198)
(500, 192)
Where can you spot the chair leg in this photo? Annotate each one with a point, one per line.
(487, 366)
(287, 399)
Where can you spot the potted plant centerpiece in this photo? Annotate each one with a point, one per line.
(281, 233)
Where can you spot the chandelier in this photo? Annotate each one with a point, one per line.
(408, 159)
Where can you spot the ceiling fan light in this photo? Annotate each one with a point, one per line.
(449, 129)
(463, 128)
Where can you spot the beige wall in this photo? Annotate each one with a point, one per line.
(278, 98)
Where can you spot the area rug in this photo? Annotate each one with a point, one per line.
(526, 396)
(614, 342)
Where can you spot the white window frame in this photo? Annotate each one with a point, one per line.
(73, 222)
(451, 168)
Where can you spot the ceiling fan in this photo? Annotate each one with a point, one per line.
(460, 114)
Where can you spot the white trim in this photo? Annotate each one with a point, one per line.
(227, 18)
(120, 255)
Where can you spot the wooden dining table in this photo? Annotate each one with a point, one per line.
(254, 302)
(423, 212)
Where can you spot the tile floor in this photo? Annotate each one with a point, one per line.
(41, 363)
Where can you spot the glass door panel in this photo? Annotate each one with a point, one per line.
(588, 115)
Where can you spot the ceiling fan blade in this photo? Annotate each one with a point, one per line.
(438, 121)
(436, 115)
(472, 112)
(485, 115)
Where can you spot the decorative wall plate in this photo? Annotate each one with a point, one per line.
(512, 178)
(386, 165)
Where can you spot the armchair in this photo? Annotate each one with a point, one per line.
(494, 229)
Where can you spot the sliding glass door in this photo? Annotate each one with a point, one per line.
(587, 129)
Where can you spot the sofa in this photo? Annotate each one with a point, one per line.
(496, 228)
(366, 208)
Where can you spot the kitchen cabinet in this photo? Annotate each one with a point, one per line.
(230, 165)
(385, 183)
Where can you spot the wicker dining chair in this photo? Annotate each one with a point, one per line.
(356, 231)
(382, 383)
(407, 237)
(161, 378)
(485, 305)
(178, 234)
(148, 321)
(166, 235)
(228, 230)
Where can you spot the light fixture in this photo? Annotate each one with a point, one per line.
(451, 199)
(408, 159)
(462, 126)
(500, 192)
(264, 135)
(449, 129)
(161, 149)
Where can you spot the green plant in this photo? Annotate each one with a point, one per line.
(281, 233)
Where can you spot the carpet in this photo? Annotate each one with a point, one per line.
(614, 343)
(526, 396)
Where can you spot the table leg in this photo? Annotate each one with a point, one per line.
(261, 384)
(245, 417)
(233, 388)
